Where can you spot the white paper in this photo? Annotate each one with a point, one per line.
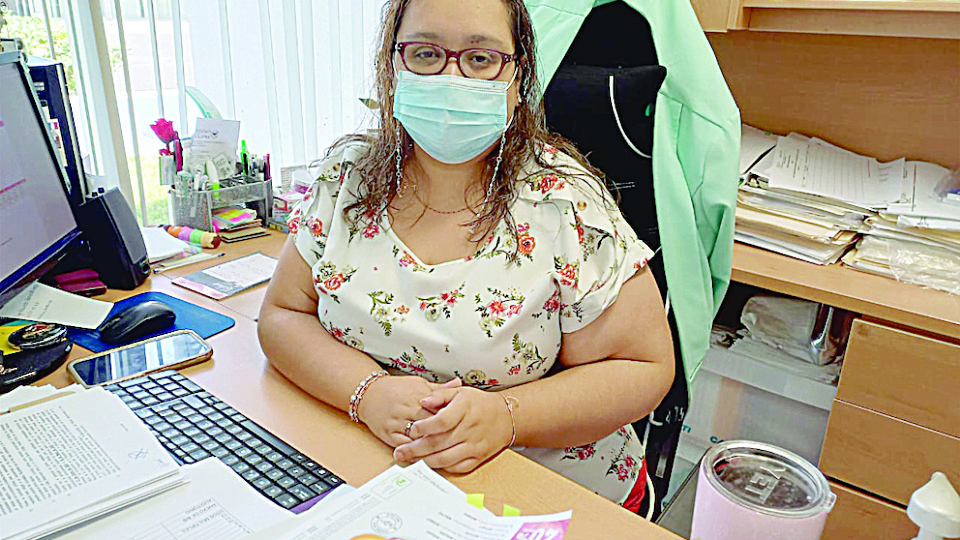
(212, 137)
(753, 144)
(216, 503)
(814, 166)
(25, 394)
(922, 178)
(245, 271)
(69, 458)
(161, 244)
(412, 503)
(43, 303)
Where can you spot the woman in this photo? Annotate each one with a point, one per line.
(471, 252)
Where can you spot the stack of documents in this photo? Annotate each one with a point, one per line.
(773, 214)
(811, 200)
(75, 458)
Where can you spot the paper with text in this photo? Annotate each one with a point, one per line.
(215, 504)
(231, 277)
(62, 458)
(43, 303)
(814, 166)
(413, 503)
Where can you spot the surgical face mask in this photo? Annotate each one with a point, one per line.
(452, 118)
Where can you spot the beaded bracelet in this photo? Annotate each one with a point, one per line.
(511, 402)
(358, 393)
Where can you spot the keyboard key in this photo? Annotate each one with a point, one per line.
(241, 468)
(220, 453)
(262, 483)
(164, 396)
(133, 382)
(272, 491)
(287, 501)
(148, 401)
(319, 486)
(284, 464)
(265, 466)
(235, 445)
(286, 481)
(179, 440)
(307, 478)
(210, 445)
(189, 447)
(255, 459)
(161, 426)
(334, 481)
(301, 492)
(242, 451)
(199, 454)
(295, 472)
(192, 432)
(202, 438)
(180, 392)
(273, 456)
(230, 459)
(274, 474)
(205, 424)
(250, 475)
(222, 438)
(193, 401)
(144, 414)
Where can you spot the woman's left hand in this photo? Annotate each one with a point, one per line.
(469, 427)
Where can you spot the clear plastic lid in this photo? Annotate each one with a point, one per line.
(768, 479)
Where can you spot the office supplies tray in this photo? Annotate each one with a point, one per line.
(195, 208)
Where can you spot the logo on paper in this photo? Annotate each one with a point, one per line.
(386, 522)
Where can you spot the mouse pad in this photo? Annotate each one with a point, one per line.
(189, 317)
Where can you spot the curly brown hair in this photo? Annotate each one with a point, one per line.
(524, 139)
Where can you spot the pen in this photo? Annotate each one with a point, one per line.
(185, 261)
(244, 160)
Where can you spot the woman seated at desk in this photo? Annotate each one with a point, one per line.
(467, 250)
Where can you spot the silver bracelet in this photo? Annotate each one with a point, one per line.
(511, 402)
(358, 393)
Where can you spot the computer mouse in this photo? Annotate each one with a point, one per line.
(136, 321)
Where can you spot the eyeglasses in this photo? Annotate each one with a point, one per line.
(430, 59)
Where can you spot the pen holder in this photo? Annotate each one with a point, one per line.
(195, 208)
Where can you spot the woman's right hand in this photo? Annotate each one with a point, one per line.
(391, 402)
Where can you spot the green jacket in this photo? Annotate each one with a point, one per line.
(695, 155)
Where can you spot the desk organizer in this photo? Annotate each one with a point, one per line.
(195, 208)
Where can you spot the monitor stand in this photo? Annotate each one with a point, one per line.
(27, 366)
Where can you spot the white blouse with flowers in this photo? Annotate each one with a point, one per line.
(493, 322)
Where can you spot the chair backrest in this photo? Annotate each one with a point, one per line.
(601, 98)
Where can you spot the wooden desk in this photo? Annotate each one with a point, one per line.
(240, 375)
(896, 416)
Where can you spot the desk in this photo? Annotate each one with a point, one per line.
(240, 375)
(896, 416)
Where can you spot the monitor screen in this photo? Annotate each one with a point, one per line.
(36, 220)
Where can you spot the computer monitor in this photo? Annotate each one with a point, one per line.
(37, 223)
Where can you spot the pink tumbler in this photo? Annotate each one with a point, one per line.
(749, 490)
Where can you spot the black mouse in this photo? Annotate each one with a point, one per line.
(136, 321)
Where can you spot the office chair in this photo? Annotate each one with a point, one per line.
(602, 98)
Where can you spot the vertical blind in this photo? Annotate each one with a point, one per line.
(292, 71)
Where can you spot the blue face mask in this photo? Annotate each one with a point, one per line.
(452, 118)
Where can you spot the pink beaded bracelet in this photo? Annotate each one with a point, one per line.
(358, 393)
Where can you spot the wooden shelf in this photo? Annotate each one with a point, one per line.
(874, 296)
(938, 19)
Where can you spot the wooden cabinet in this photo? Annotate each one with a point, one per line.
(902, 18)
(897, 411)
(856, 515)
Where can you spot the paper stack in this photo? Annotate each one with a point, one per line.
(811, 200)
(234, 223)
(772, 215)
(916, 239)
(75, 458)
(411, 502)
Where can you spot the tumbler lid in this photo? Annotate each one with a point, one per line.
(768, 479)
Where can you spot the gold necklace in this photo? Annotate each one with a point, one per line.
(416, 193)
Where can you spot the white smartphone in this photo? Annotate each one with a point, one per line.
(168, 351)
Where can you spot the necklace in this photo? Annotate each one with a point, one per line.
(416, 193)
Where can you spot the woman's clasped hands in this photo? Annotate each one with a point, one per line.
(465, 427)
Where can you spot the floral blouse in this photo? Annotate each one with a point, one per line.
(493, 322)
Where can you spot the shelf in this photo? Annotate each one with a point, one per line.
(867, 294)
(938, 19)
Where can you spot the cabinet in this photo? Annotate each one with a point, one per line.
(903, 18)
(896, 415)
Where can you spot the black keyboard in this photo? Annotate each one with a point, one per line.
(193, 424)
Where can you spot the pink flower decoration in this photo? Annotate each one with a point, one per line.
(164, 130)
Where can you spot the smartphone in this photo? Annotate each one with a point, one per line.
(168, 351)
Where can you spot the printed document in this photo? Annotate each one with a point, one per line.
(215, 503)
(231, 277)
(409, 504)
(74, 458)
(817, 167)
(43, 303)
